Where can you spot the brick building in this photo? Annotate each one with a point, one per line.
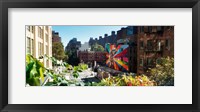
(147, 44)
(153, 43)
(128, 36)
(91, 56)
(55, 37)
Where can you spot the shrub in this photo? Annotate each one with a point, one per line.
(125, 80)
(68, 66)
(83, 66)
(163, 73)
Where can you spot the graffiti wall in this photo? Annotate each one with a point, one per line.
(117, 57)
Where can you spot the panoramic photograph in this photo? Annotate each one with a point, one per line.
(99, 55)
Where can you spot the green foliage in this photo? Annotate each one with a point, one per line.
(34, 71)
(163, 73)
(83, 66)
(72, 57)
(68, 66)
(58, 51)
(58, 80)
(54, 60)
(75, 74)
(125, 80)
(97, 47)
(77, 69)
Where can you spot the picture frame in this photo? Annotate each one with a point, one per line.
(6, 4)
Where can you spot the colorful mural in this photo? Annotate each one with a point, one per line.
(117, 57)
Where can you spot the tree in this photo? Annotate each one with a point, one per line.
(58, 51)
(97, 47)
(163, 73)
(66, 57)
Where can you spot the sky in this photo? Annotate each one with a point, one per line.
(83, 33)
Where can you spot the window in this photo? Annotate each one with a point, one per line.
(40, 50)
(28, 45)
(159, 28)
(142, 29)
(32, 47)
(149, 44)
(141, 62)
(47, 38)
(154, 29)
(159, 46)
(150, 29)
(32, 29)
(146, 29)
(28, 28)
(40, 32)
(149, 62)
(158, 61)
(141, 45)
(167, 44)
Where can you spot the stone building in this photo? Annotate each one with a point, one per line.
(39, 43)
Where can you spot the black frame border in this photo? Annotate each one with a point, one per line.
(6, 4)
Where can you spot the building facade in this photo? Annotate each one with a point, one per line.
(55, 37)
(128, 36)
(39, 43)
(147, 44)
(91, 56)
(153, 43)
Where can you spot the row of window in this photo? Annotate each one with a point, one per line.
(40, 32)
(151, 28)
(30, 47)
(149, 61)
(30, 28)
(40, 48)
(47, 38)
(150, 44)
